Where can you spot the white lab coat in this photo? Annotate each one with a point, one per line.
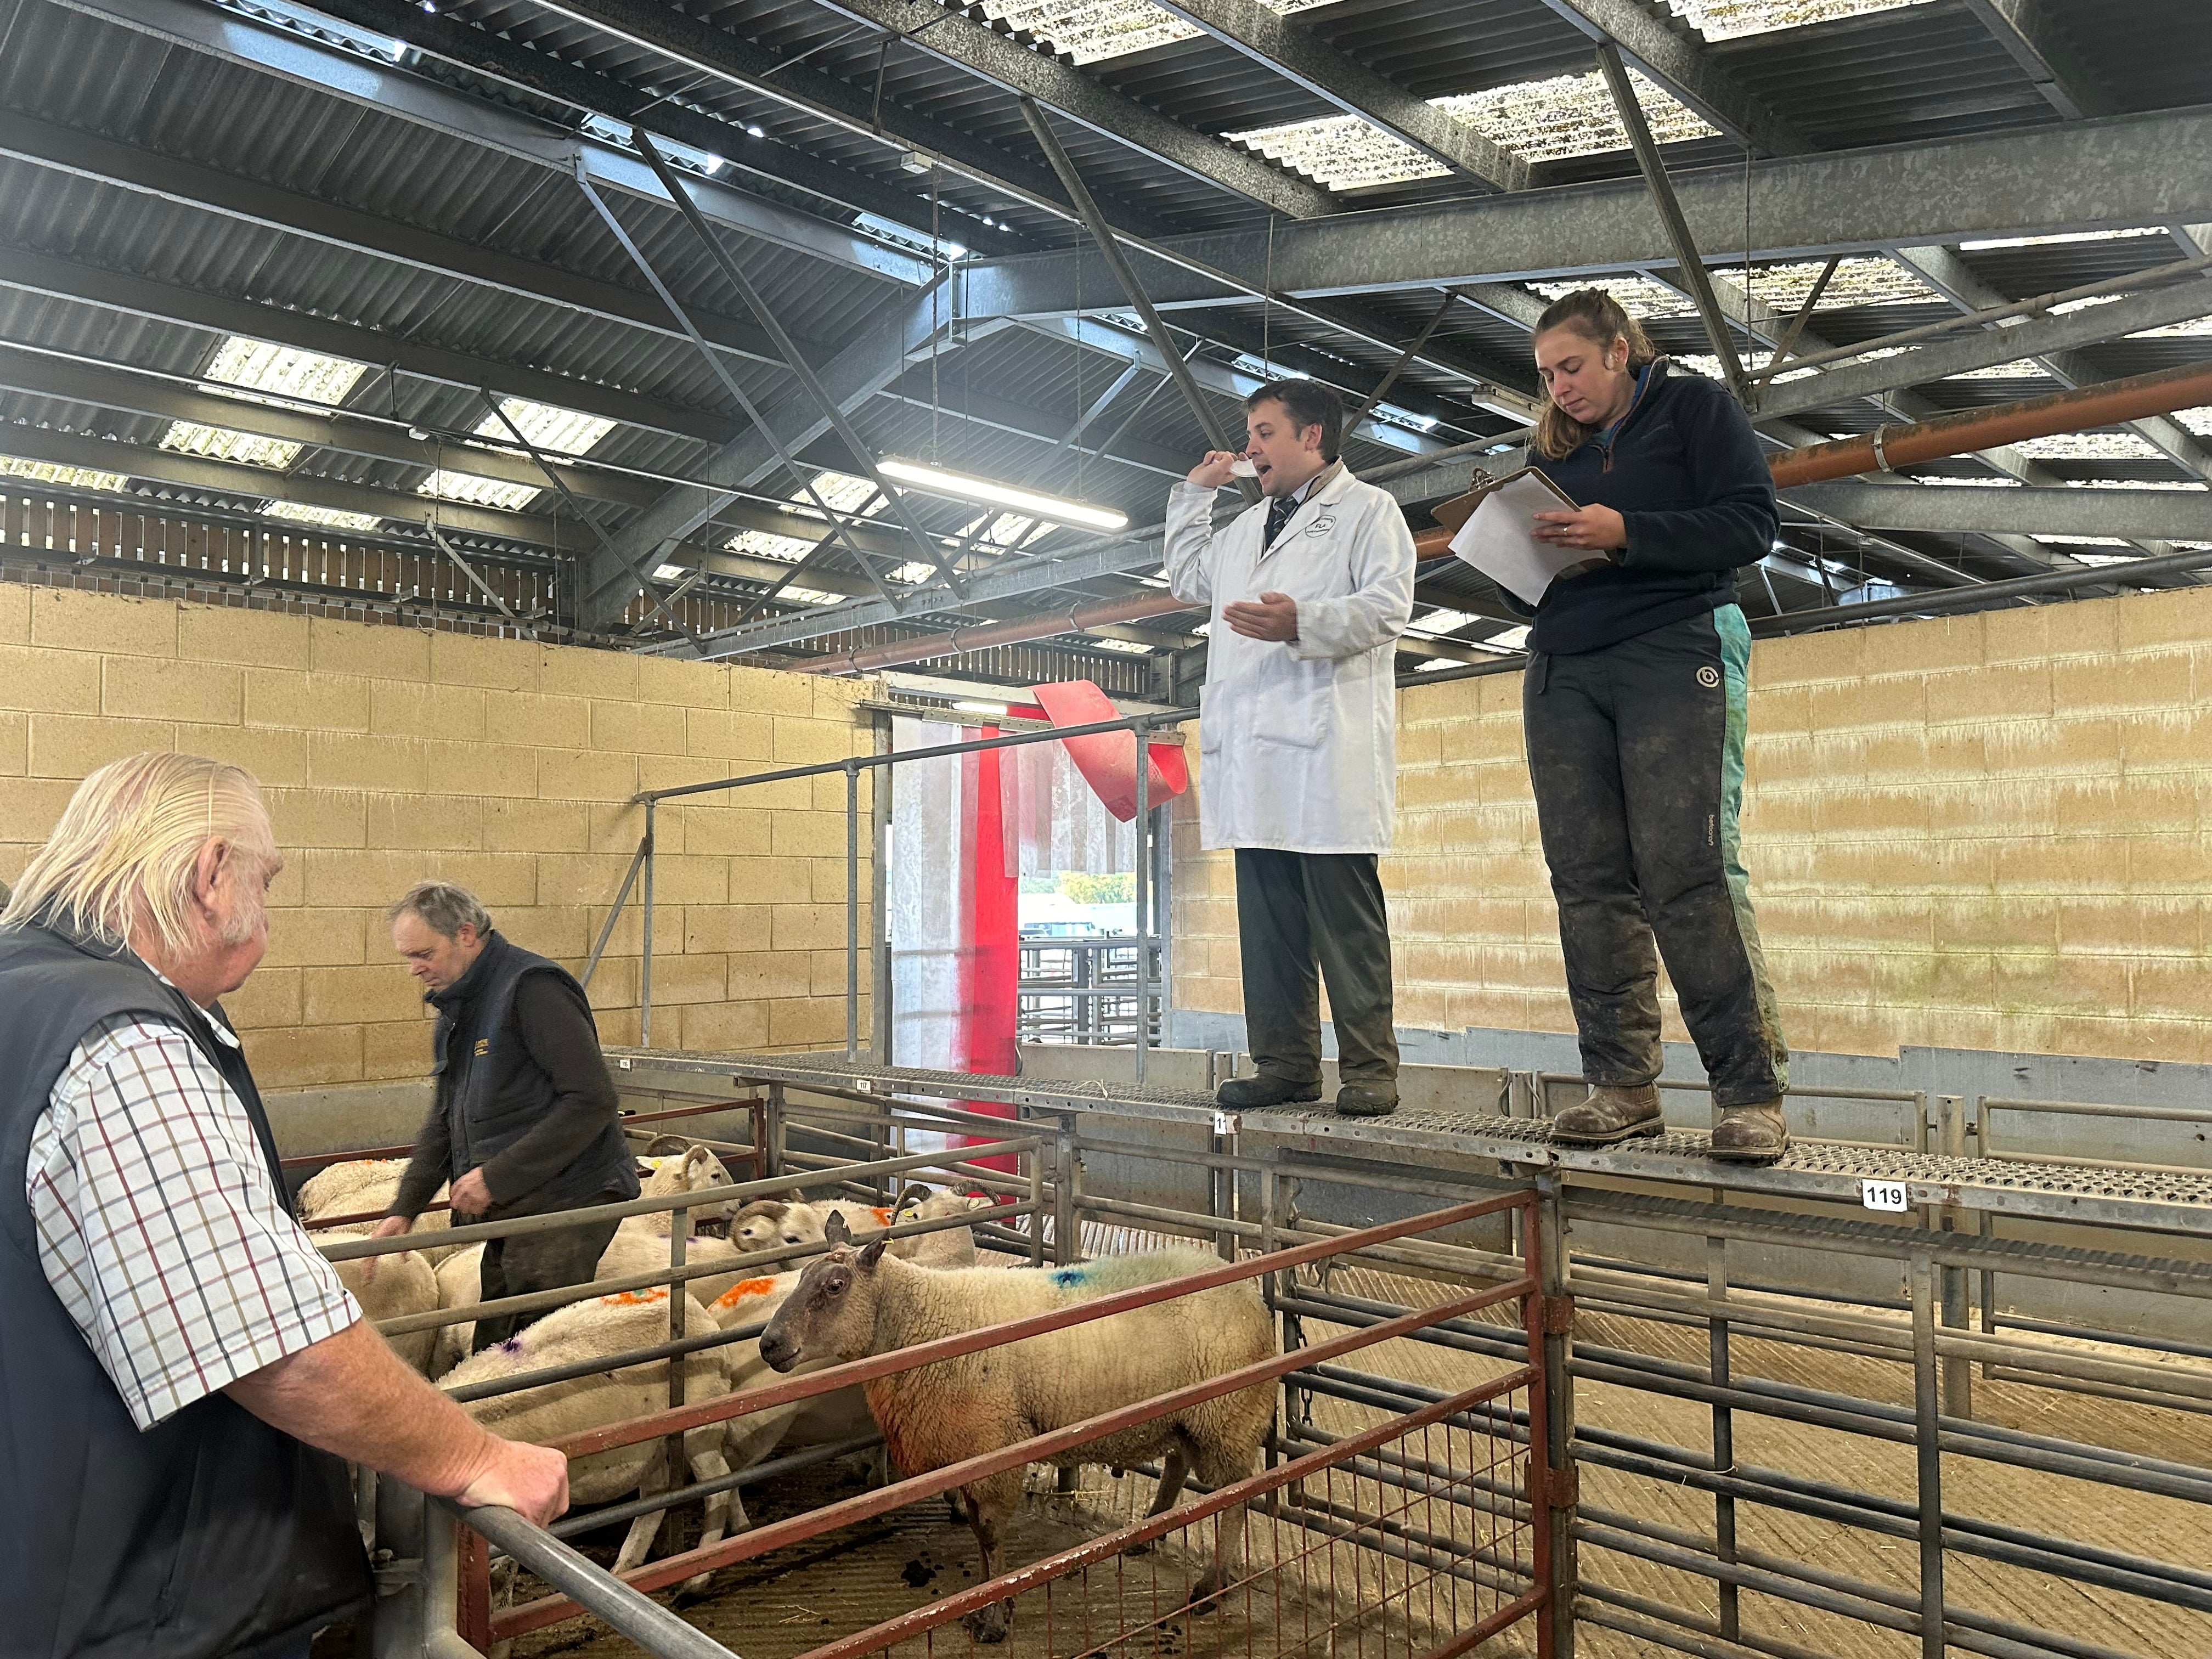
(1298, 740)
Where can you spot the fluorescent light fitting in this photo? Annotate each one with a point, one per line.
(980, 707)
(755, 132)
(668, 573)
(936, 481)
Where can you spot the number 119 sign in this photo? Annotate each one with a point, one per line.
(1882, 1194)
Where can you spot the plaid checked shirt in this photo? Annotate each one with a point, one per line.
(159, 1227)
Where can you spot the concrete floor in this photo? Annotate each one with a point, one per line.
(788, 1603)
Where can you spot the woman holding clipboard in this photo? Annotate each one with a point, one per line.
(1633, 705)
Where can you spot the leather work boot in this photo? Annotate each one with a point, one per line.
(1751, 1134)
(1609, 1114)
(1367, 1099)
(1245, 1094)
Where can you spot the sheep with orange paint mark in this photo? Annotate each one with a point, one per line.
(601, 1328)
(856, 1303)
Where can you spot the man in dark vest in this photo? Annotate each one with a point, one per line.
(525, 1118)
(185, 1375)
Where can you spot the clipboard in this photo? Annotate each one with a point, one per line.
(1497, 541)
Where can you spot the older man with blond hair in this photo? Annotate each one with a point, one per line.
(184, 1372)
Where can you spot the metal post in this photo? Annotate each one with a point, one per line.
(1716, 1348)
(1142, 733)
(399, 1618)
(645, 958)
(881, 788)
(1958, 1373)
(679, 1301)
(1066, 1222)
(852, 911)
(774, 1120)
(1036, 1207)
(1670, 215)
(1555, 1624)
(1926, 1400)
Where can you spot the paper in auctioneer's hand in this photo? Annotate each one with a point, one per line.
(1498, 536)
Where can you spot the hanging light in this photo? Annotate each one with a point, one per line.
(936, 481)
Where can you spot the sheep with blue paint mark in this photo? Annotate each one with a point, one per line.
(856, 1303)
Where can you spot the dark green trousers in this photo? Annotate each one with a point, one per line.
(539, 1261)
(1296, 911)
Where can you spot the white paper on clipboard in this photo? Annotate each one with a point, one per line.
(1498, 537)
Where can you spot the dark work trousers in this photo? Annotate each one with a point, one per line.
(539, 1261)
(1636, 752)
(1296, 908)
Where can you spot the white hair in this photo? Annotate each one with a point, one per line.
(124, 855)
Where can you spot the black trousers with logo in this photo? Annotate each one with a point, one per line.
(1636, 754)
(1295, 910)
(539, 1262)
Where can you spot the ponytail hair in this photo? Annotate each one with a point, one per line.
(1597, 316)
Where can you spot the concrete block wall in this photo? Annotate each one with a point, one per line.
(390, 754)
(1989, 831)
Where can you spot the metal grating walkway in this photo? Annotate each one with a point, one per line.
(1812, 1169)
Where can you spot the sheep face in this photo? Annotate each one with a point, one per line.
(829, 1316)
(767, 1223)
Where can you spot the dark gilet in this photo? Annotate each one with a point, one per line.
(492, 1091)
(211, 1534)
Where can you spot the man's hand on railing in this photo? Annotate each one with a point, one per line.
(531, 1480)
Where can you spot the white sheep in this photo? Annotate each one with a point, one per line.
(602, 1327)
(856, 1303)
(403, 1283)
(766, 1223)
(367, 1186)
(460, 1284)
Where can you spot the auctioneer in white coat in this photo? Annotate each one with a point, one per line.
(1298, 740)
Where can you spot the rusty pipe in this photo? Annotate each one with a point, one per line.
(923, 647)
(1887, 448)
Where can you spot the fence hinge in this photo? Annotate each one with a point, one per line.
(1562, 1488)
(1558, 1314)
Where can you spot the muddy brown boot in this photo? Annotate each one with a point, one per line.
(1367, 1099)
(1610, 1115)
(1751, 1134)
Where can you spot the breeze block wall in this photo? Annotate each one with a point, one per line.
(393, 754)
(1985, 831)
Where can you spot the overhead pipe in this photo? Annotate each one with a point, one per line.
(2082, 408)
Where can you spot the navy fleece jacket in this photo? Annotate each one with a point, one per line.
(1684, 473)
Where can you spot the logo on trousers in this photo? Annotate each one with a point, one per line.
(1708, 677)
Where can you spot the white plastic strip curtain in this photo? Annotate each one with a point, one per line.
(1055, 821)
(926, 860)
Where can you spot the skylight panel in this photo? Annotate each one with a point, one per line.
(1972, 484)
(2020, 369)
(475, 490)
(1341, 152)
(1639, 296)
(1006, 530)
(2112, 558)
(1440, 621)
(1570, 115)
(330, 518)
(2078, 541)
(2063, 236)
(2194, 326)
(766, 544)
(2134, 484)
(221, 443)
(2197, 420)
(1089, 30)
(1725, 20)
(563, 431)
(280, 371)
(70, 478)
(1126, 647)
(913, 571)
(2087, 447)
(808, 596)
(1868, 281)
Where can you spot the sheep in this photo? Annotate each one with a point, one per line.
(403, 1283)
(692, 1169)
(604, 1325)
(460, 1284)
(367, 1186)
(766, 1223)
(853, 1304)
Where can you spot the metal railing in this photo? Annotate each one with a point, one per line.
(640, 875)
(1084, 991)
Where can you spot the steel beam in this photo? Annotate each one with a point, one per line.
(877, 355)
(2162, 515)
(391, 91)
(1302, 57)
(497, 57)
(928, 27)
(2039, 337)
(1669, 53)
(2025, 29)
(1688, 262)
(981, 409)
(140, 296)
(2126, 170)
(88, 156)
